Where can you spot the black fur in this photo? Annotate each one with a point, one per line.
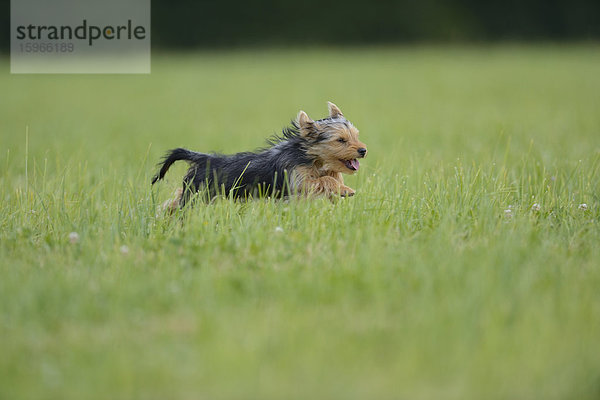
(261, 173)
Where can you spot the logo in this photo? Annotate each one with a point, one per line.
(83, 31)
(80, 36)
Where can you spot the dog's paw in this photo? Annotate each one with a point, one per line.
(346, 191)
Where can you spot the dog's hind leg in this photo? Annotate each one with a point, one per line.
(171, 205)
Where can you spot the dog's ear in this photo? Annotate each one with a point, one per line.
(334, 111)
(306, 125)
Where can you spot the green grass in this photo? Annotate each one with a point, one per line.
(421, 286)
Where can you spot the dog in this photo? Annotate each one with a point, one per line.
(308, 158)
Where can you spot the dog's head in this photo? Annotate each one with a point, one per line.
(332, 141)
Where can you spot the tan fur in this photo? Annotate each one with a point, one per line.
(312, 181)
(334, 111)
(171, 205)
(331, 151)
(325, 176)
(305, 123)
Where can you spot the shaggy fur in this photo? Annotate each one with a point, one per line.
(308, 158)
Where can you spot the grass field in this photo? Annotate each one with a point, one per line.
(440, 279)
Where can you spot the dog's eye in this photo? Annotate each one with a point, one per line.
(342, 140)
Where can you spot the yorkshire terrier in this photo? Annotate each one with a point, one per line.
(309, 158)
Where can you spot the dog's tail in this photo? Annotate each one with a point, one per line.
(176, 155)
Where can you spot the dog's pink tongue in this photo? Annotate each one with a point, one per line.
(355, 163)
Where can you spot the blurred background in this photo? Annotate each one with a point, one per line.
(189, 24)
(422, 286)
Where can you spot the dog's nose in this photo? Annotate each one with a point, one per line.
(362, 151)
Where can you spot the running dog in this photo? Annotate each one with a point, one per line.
(308, 158)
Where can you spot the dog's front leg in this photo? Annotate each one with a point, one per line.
(328, 186)
(345, 191)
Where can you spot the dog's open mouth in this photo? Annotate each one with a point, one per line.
(351, 164)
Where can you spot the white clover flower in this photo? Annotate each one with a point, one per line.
(508, 213)
(74, 237)
(583, 207)
(536, 207)
(278, 229)
(124, 250)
